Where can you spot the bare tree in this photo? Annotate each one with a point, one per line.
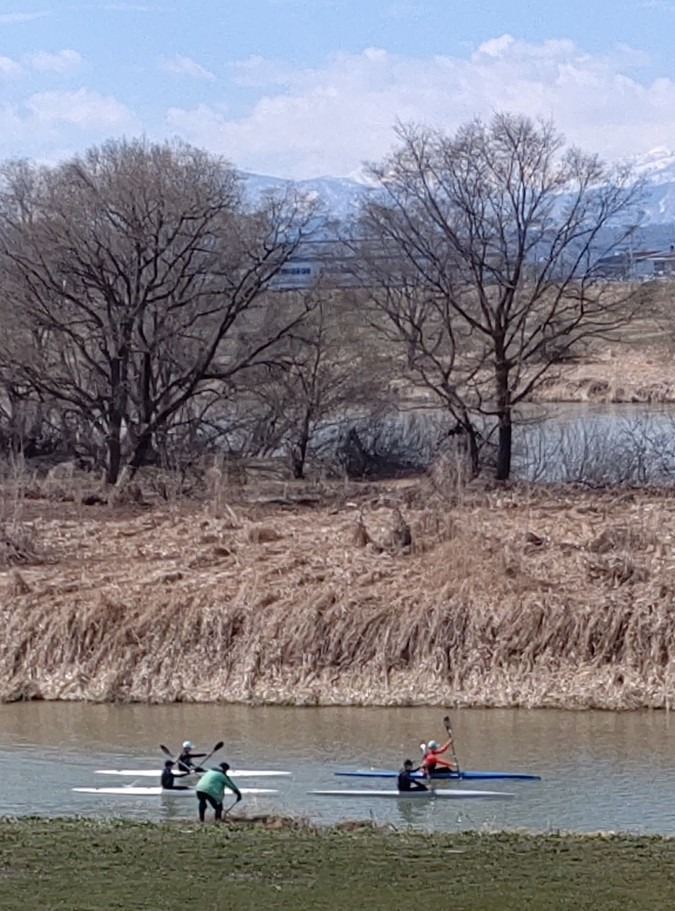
(137, 281)
(327, 371)
(496, 233)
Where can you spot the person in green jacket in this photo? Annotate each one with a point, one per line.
(211, 789)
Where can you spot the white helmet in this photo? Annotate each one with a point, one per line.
(432, 744)
(187, 745)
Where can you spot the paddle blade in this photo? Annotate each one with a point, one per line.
(166, 751)
(448, 725)
(218, 746)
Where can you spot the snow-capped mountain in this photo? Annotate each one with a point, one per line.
(341, 195)
(657, 166)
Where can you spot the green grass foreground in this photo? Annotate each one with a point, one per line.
(82, 865)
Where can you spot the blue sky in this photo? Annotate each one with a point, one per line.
(304, 88)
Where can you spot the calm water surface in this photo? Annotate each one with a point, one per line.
(600, 771)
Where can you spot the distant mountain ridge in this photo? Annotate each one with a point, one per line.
(342, 195)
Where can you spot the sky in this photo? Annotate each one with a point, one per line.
(309, 88)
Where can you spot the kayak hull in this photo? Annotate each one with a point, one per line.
(156, 773)
(164, 792)
(437, 794)
(468, 775)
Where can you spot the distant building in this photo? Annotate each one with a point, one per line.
(637, 265)
(329, 262)
(655, 264)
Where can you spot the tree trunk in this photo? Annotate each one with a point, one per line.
(140, 451)
(504, 447)
(505, 428)
(114, 446)
(300, 454)
(474, 452)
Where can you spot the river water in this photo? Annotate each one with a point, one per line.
(600, 771)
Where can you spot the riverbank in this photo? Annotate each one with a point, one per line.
(310, 595)
(272, 864)
(613, 374)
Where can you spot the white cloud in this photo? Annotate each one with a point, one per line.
(257, 72)
(81, 108)
(62, 62)
(9, 67)
(12, 18)
(329, 120)
(185, 66)
(661, 5)
(132, 8)
(52, 125)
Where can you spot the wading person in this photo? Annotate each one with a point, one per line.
(406, 782)
(211, 790)
(431, 762)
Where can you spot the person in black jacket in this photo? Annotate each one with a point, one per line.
(186, 760)
(406, 782)
(169, 778)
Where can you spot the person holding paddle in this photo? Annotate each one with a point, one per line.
(430, 760)
(186, 759)
(432, 750)
(169, 777)
(406, 782)
(211, 789)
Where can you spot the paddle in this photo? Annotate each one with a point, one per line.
(231, 807)
(204, 756)
(448, 728)
(217, 747)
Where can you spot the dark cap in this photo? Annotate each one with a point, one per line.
(168, 764)
(224, 766)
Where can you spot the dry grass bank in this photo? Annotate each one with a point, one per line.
(614, 374)
(636, 365)
(510, 597)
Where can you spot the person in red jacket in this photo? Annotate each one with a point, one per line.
(431, 762)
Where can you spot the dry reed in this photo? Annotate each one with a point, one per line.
(511, 597)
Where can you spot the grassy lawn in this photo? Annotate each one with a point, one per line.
(91, 866)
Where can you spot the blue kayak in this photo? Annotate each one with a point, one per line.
(464, 775)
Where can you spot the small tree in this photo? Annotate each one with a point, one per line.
(137, 282)
(495, 234)
(324, 373)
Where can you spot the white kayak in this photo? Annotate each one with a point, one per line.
(156, 773)
(435, 794)
(165, 792)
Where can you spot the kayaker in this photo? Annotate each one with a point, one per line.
(186, 760)
(406, 782)
(169, 778)
(211, 789)
(431, 762)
